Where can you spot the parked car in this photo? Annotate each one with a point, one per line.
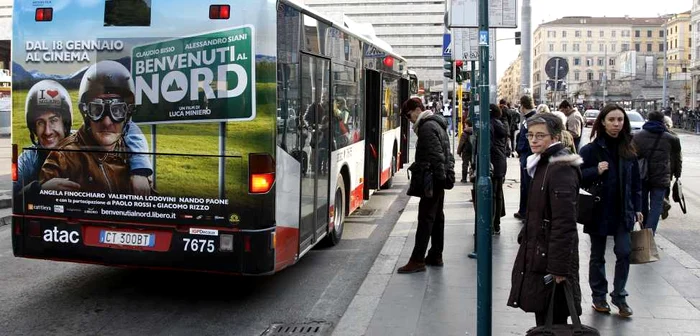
(590, 116)
(636, 121)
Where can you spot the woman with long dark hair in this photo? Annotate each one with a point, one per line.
(499, 157)
(610, 160)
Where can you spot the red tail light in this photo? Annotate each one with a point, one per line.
(43, 14)
(219, 12)
(246, 243)
(15, 173)
(261, 168)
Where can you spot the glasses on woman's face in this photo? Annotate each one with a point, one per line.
(538, 136)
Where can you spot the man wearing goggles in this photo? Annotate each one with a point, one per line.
(96, 157)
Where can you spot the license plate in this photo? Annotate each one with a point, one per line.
(127, 238)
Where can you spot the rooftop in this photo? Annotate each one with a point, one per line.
(604, 21)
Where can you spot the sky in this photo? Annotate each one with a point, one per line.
(549, 10)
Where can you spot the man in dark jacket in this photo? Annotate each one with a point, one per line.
(527, 109)
(514, 124)
(499, 161)
(661, 151)
(432, 152)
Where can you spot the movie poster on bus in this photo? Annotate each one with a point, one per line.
(150, 122)
(208, 77)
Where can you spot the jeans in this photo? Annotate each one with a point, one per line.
(448, 119)
(524, 187)
(652, 206)
(596, 270)
(577, 143)
(431, 226)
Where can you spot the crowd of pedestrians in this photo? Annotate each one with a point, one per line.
(632, 175)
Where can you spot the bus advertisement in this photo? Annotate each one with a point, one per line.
(195, 135)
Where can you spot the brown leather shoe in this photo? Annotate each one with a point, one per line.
(412, 267)
(434, 261)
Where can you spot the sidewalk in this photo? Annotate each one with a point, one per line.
(664, 295)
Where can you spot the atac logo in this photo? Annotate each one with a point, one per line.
(49, 98)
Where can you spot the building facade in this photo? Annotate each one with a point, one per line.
(695, 53)
(413, 28)
(509, 85)
(593, 47)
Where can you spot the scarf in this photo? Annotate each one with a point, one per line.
(420, 116)
(534, 159)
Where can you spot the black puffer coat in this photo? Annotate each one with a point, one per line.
(499, 148)
(431, 144)
(549, 239)
(663, 161)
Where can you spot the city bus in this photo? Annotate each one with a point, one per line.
(215, 136)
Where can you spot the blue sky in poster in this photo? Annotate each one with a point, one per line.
(84, 20)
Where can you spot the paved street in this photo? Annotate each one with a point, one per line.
(53, 298)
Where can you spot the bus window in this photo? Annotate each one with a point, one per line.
(390, 107)
(127, 13)
(345, 93)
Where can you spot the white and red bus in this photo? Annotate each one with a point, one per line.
(249, 131)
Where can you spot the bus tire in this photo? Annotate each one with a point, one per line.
(390, 182)
(334, 235)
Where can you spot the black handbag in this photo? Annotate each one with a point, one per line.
(678, 196)
(421, 178)
(563, 329)
(589, 205)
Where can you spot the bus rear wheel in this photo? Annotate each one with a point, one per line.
(335, 234)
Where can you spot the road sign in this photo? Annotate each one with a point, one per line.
(502, 14)
(466, 44)
(556, 67)
(484, 38)
(446, 45)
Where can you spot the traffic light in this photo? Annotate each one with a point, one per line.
(448, 69)
(459, 76)
(517, 38)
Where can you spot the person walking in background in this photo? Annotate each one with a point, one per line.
(514, 124)
(662, 153)
(431, 152)
(549, 239)
(506, 120)
(543, 108)
(667, 201)
(527, 109)
(611, 160)
(447, 113)
(574, 121)
(465, 150)
(499, 161)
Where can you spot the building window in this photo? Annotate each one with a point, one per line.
(649, 33)
(611, 62)
(625, 33)
(637, 47)
(577, 61)
(661, 33)
(625, 47)
(661, 47)
(589, 61)
(613, 46)
(637, 33)
(690, 42)
(601, 62)
(577, 76)
(589, 33)
(601, 47)
(577, 33)
(612, 75)
(563, 47)
(589, 47)
(537, 77)
(649, 47)
(697, 28)
(577, 47)
(602, 33)
(613, 33)
(551, 47)
(589, 75)
(601, 75)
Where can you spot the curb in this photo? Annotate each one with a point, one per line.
(359, 313)
(6, 220)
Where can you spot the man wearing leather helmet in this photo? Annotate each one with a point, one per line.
(96, 156)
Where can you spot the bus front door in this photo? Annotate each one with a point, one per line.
(315, 76)
(373, 130)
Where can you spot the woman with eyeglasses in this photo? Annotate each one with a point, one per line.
(610, 160)
(499, 161)
(548, 253)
